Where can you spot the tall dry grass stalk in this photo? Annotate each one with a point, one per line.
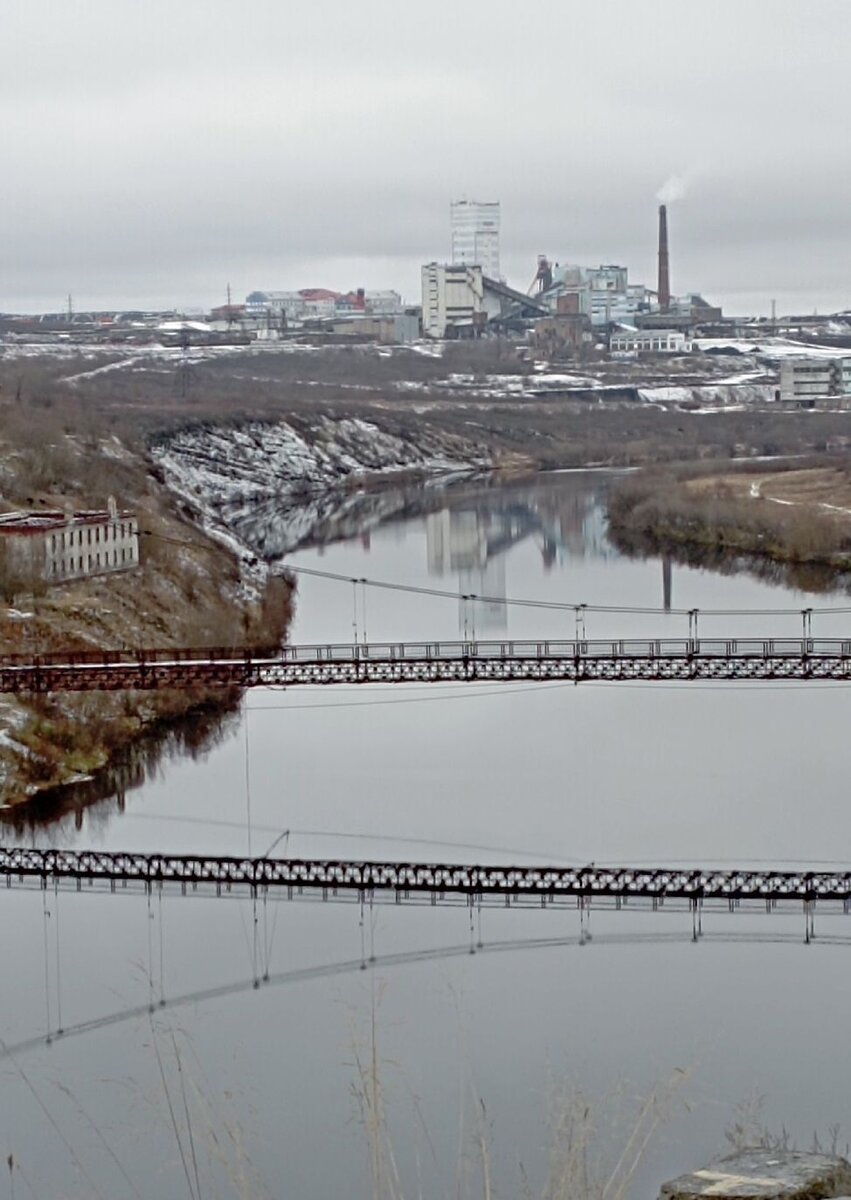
(368, 1092)
(211, 1143)
(597, 1146)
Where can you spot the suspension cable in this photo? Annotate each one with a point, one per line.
(563, 606)
(557, 605)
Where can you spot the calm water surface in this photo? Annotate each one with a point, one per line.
(530, 773)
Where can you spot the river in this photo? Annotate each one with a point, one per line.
(466, 1044)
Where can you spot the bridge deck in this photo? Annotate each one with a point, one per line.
(433, 662)
(435, 883)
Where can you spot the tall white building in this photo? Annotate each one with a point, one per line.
(453, 296)
(475, 235)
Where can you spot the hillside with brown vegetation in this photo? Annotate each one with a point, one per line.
(187, 590)
(798, 515)
(79, 426)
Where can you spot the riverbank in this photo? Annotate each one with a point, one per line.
(188, 589)
(263, 453)
(799, 516)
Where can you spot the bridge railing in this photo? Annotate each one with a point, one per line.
(639, 648)
(441, 881)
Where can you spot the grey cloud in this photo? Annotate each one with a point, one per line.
(154, 147)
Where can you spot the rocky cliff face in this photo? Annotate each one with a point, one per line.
(272, 485)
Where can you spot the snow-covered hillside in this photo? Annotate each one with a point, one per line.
(225, 471)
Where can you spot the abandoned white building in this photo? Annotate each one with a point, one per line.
(807, 378)
(56, 546)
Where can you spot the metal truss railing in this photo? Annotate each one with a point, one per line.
(434, 882)
(432, 662)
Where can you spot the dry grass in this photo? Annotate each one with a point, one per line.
(815, 489)
(139, 404)
(596, 1146)
(185, 592)
(795, 516)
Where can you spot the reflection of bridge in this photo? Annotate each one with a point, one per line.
(434, 662)
(430, 883)
(403, 958)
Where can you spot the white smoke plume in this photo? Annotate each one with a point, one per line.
(673, 189)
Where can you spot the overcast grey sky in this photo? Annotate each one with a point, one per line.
(153, 150)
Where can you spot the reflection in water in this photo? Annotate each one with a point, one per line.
(273, 529)
(473, 538)
(471, 528)
(383, 962)
(599, 773)
(103, 796)
(817, 578)
(470, 542)
(667, 581)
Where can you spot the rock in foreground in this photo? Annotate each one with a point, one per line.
(763, 1175)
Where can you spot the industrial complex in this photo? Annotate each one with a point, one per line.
(588, 314)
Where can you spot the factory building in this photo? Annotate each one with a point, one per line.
(604, 293)
(461, 301)
(808, 379)
(685, 313)
(649, 341)
(397, 330)
(564, 335)
(312, 304)
(53, 546)
(608, 277)
(474, 231)
(453, 295)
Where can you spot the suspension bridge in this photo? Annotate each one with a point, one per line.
(577, 661)
(433, 883)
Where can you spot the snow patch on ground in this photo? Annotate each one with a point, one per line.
(715, 396)
(771, 348)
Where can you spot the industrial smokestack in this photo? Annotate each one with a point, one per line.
(664, 276)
